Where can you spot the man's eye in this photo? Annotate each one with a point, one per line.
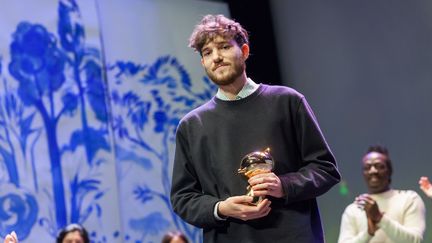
(380, 167)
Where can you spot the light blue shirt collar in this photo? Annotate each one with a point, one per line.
(249, 87)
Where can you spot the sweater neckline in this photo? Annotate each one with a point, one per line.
(252, 96)
(384, 195)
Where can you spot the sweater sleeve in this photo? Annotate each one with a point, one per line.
(350, 232)
(187, 197)
(413, 225)
(318, 172)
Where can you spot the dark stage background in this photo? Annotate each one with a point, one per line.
(365, 68)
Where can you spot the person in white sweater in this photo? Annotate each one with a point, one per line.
(383, 214)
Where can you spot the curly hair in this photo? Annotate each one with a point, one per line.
(212, 26)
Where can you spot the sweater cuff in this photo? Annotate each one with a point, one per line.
(215, 213)
(286, 188)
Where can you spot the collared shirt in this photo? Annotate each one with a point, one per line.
(249, 87)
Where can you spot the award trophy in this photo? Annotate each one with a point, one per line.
(253, 164)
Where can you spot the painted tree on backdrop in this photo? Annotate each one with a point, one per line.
(147, 119)
(14, 126)
(56, 80)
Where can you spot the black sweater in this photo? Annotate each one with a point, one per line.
(212, 139)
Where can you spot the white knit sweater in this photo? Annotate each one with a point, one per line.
(403, 220)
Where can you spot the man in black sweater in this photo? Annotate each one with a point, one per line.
(244, 117)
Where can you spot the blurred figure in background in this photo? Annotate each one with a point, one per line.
(174, 237)
(73, 233)
(11, 238)
(383, 214)
(426, 186)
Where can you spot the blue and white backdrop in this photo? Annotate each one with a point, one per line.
(90, 95)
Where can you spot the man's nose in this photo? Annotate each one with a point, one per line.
(217, 56)
(372, 169)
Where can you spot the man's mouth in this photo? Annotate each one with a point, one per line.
(220, 65)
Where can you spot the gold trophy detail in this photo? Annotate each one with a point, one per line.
(255, 163)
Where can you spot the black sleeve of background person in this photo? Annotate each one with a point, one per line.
(255, 16)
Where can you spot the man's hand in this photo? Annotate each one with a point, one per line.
(266, 184)
(426, 186)
(372, 227)
(372, 211)
(238, 207)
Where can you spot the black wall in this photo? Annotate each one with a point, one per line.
(255, 17)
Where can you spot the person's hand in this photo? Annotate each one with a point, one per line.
(239, 207)
(372, 227)
(372, 211)
(11, 238)
(426, 186)
(266, 184)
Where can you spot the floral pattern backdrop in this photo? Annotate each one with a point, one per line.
(87, 121)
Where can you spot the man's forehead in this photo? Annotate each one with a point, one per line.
(374, 157)
(216, 41)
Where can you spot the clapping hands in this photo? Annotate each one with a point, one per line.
(371, 208)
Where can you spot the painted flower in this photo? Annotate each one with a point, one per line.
(18, 210)
(36, 62)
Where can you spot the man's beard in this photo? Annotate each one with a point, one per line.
(235, 71)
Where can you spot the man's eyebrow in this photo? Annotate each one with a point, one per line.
(217, 43)
(374, 162)
(221, 42)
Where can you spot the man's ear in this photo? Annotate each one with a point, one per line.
(245, 51)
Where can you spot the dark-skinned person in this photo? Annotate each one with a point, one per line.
(383, 214)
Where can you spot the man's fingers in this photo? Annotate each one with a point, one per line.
(256, 180)
(264, 203)
(261, 178)
(241, 199)
(364, 201)
(259, 211)
(246, 199)
(239, 207)
(261, 186)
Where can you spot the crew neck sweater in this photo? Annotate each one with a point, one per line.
(212, 139)
(403, 220)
